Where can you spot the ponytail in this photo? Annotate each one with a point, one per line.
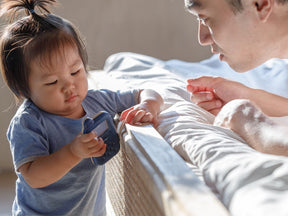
(33, 35)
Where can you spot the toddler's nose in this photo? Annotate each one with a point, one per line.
(68, 85)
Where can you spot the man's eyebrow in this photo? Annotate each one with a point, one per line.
(190, 4)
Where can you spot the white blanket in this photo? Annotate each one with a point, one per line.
(246, 181)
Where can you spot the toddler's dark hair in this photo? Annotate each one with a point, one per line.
(36, 35)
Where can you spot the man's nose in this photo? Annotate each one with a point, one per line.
(204, 35)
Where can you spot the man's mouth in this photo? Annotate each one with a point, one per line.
(215, 51)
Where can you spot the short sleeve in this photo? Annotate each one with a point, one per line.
(27, 139)
(126, 99)
(111, 101)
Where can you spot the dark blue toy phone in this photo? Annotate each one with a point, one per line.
(104, 126)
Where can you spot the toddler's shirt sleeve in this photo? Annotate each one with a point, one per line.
(112, 101)
(27, 139)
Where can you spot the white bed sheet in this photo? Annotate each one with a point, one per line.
(246, 181)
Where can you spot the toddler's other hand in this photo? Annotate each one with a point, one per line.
(87, 145)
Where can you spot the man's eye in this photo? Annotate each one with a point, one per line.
(202, 20)
(51, 83)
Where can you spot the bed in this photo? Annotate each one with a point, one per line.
(187, 166)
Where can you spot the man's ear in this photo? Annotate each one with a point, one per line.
(263, 9)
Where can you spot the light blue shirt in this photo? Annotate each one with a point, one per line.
(34, 132)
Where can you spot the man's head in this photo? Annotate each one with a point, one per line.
(244, 33)
(236, 5)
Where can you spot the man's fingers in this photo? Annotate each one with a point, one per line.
(205, 81)
(213, 106)
(199, 97)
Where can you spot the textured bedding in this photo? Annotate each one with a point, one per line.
(246, 181)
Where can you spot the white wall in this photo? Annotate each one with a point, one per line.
(7, 109)
(159, 28)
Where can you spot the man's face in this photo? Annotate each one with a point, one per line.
(232, 35)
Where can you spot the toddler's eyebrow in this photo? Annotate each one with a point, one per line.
(76, 63)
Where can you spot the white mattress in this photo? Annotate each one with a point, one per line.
(246, 181)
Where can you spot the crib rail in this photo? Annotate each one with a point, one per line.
(147, 177)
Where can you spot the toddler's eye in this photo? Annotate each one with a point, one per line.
(51, 83)
(75, 73)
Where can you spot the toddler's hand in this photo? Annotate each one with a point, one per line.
(87, 145)
(138, 114)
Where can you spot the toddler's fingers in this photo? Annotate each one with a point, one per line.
(148, 117)
(129, 117)
(124, 113)
(138, 117)
(96, 143)
(99, 151)
(87, 137)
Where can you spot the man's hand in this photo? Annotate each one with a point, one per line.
(212, 93)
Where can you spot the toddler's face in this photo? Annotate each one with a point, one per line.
(59, 84)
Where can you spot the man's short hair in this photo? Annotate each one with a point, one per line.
(237, 5)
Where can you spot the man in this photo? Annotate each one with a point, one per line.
(245, 34)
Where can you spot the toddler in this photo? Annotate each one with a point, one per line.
(44, 63)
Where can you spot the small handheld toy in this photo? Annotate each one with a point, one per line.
(103, 125)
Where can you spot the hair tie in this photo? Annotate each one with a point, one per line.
(32, 11)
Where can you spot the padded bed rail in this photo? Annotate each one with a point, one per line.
(147, 177)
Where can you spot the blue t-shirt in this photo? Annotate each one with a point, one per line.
(34, 132)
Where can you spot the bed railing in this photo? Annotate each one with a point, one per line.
(147, 177)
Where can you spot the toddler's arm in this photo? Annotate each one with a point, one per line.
(46, 170)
